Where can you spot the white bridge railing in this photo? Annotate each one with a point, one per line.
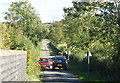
(12, 65)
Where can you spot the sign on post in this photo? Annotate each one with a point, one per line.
(88, 54)
(68, 52)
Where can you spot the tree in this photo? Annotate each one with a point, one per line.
(23, 16)
(85, 29)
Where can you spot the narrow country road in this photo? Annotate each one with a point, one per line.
(56, 75)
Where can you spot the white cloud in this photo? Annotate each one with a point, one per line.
(49, 10)
(52, 9)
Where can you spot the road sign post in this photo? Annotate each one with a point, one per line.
(68, 56)
(88, 54)
(68, 52)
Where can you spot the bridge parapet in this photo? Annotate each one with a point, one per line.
(12, 65)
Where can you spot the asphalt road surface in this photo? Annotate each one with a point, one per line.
(56, 75)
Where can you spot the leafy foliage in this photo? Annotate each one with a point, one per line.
(83, 28)
(23, 30)
(21, 15)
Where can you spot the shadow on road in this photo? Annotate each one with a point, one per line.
(54, 51)
(58, 76)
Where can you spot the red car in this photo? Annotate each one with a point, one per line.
(44, 62)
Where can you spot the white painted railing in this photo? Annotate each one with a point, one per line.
(12, 65)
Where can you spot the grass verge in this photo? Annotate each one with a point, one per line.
(84, 76)
(34, 72)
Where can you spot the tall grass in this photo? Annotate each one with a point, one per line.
(34, 72)
(85, 76)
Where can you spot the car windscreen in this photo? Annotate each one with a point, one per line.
(43, 60)
(59, 57)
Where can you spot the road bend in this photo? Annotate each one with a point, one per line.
(56, 75)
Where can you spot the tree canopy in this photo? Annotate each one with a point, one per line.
(21, 15)
(93, 26)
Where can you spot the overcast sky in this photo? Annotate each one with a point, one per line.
(49, 10)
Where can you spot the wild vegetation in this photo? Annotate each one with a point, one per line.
(23, 30)
(93, 26)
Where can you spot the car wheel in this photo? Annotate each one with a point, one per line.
(49, 67)
(41, 68)
(53, 68)
(65, 68)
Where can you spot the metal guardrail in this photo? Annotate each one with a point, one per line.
(12, 65)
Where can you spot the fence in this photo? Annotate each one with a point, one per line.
(12, 65)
